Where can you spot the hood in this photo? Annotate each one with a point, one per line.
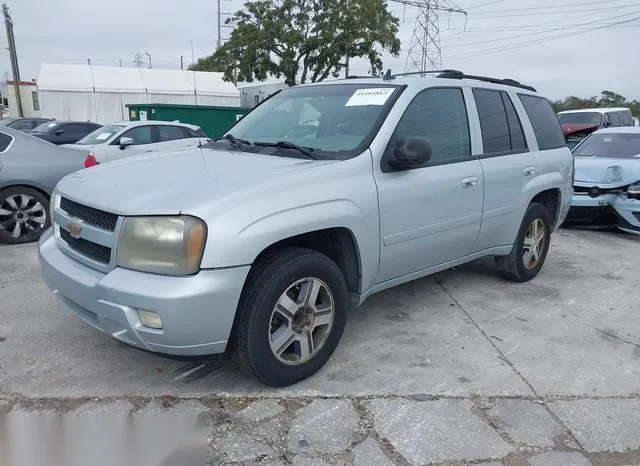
(609, 172)
(169, 183)
(572, 128)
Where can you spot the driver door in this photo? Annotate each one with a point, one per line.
(144, 141)
(432, 214)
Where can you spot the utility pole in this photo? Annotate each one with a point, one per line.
(120, 62)
(346, 67)
(425, 52)
(182, 62)
(219, 41)
(148, 55)
(13, 56)
(89, 61)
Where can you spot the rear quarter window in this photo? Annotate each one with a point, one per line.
(5, 140)
(546, 126)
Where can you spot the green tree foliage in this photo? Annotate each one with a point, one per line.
(606, 99)
(305, 39)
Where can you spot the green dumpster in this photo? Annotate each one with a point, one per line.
(212, 119)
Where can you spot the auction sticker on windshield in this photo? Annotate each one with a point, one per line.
(371, 96)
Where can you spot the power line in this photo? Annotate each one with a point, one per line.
(543, 40)
(518, 36)
(547, 7)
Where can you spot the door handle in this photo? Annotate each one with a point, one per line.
(529, 171)
(470, 182)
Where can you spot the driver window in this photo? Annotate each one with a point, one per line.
(140, 135)
(440, 116)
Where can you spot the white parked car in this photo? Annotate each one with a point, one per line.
(127, 138)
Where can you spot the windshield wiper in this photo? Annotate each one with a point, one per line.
(236, 142)
(306, 151)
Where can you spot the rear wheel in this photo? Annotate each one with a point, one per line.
(24, 215)
(530, 249)
(290, 317)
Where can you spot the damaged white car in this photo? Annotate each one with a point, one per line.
(606, 188)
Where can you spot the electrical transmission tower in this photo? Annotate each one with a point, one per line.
(424, 51)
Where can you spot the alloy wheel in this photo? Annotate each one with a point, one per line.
(301, 321)
(22, 215)
(534, 243)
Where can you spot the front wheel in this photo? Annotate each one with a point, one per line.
(530, 249)
(290, 317)
(24, 215)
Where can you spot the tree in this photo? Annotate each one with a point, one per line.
(309, 39)
(611, 99)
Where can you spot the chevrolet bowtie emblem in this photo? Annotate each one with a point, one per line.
(74, 229)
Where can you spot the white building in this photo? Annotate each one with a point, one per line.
(252, 94)
(100, 93)
(28, 96)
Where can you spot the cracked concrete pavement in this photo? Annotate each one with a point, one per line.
(459, 368)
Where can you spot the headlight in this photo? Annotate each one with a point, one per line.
(634, 190)
(163, 245)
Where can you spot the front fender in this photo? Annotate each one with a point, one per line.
(244, 247)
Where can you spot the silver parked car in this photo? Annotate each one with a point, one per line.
(29, 170)
(259, 242)
(607, 180)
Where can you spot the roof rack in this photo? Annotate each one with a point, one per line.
(455, 74)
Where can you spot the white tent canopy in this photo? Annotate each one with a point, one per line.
(100, 93)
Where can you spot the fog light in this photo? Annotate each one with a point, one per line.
(150, 319)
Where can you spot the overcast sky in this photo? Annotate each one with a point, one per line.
(549, 44)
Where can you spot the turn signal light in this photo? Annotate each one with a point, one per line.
(90, 161)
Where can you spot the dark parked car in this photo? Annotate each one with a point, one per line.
(64, 132)
(24, 124)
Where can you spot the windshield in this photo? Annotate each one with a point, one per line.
(45, 128)
(610, 145)
(331, 120)
(581, 118)
(101, 135)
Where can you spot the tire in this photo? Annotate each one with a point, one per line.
(24, 215)
(514, 267)
(262, 323)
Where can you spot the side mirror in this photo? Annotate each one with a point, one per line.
(410, 153)
(124, 142)
(59, 132)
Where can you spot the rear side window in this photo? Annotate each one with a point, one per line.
(493, 121)
(5, 140)
(518, 142)
(615, 119)
(545, 123)
(170, 133)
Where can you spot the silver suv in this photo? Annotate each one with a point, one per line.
(259, 242)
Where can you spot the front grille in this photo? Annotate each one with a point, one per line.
(89, 215)
(94, 251)
(601, 215)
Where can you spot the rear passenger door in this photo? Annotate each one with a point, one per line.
(172, 137)
(430, 215)
(507, 163)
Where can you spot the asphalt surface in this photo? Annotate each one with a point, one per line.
(457, 368)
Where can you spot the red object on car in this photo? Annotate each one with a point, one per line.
(90, 161)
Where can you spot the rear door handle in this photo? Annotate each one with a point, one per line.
(470, 182)
(529, 171)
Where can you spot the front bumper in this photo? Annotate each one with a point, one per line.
(611, 209)
(197, 311)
